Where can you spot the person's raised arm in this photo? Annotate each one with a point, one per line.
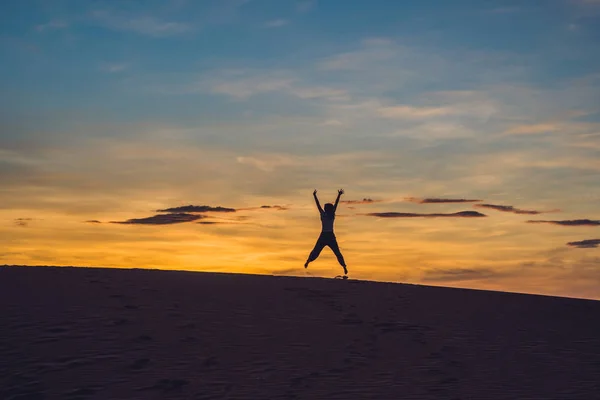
(340, 193)
(317, 201)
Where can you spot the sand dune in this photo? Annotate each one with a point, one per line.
(83, 333)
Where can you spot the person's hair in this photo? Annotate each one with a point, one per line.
(328, 208)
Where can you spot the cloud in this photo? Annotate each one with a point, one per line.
(243, 88)
(585, 244)
(93, 221)
(268, 163)
(512, 209)
(303, 7)
(532, 129)
(143, 25)
(114, 67)
(374, 50)
(459, 274)
(162, 219)
(411, 112)
(217, 223)
(363, 201)
(462, 214)
(196, 209)
(264, 207)
(276, 207)
(574, 222)
(52, 25)
(332, 122)
(437, 200)
(242, 84)
(276, 23)
(23, 221)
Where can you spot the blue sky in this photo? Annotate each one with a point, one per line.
(110, 110)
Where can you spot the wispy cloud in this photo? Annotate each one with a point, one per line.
(305, 6)
(332, 122)
(243, 88)
(52, 25)
(114, 67)
(460, 214)
(373, 50)
(162, 219)
(410, 112)
(431, 200)
(23, 221)
(196, 209)
(585, 244)
(265, 207)
(241, 85)
(276, 23)
(143, 25)
(363, 201)
(512, 209)
(93, 221)
(218, 223)
(532, 129)
(574, 222)
(267, 163)
(275, 207)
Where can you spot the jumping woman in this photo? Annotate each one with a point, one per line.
(327, 237)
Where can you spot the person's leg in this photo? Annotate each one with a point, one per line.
(315, 252)
(336, 250)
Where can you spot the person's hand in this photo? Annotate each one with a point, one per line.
(315, 192)
(341, 192)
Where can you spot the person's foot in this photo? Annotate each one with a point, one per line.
(306, 264)
(345, 271)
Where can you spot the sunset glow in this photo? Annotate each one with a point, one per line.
(466, 138)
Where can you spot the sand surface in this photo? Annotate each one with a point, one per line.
(82, 333)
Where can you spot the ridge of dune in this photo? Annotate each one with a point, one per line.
(95, 333)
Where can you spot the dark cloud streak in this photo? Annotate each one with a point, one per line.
(23, 221)
(511, 209)
(461, 214)
(196, 209)
(161, 219)
(363, 201)
(585, 244)
(265, 207)
(573, 222)
(438, 201)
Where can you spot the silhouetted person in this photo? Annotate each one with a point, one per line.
(327, 237)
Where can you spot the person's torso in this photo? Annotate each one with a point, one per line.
(327, 222)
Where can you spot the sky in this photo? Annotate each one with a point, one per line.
(190, 135)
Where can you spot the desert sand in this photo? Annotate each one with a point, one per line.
(91, 333)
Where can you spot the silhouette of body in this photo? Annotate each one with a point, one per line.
(327, 237)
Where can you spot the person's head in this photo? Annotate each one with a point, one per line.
(328, 208)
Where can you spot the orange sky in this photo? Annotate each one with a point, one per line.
(112, 111)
